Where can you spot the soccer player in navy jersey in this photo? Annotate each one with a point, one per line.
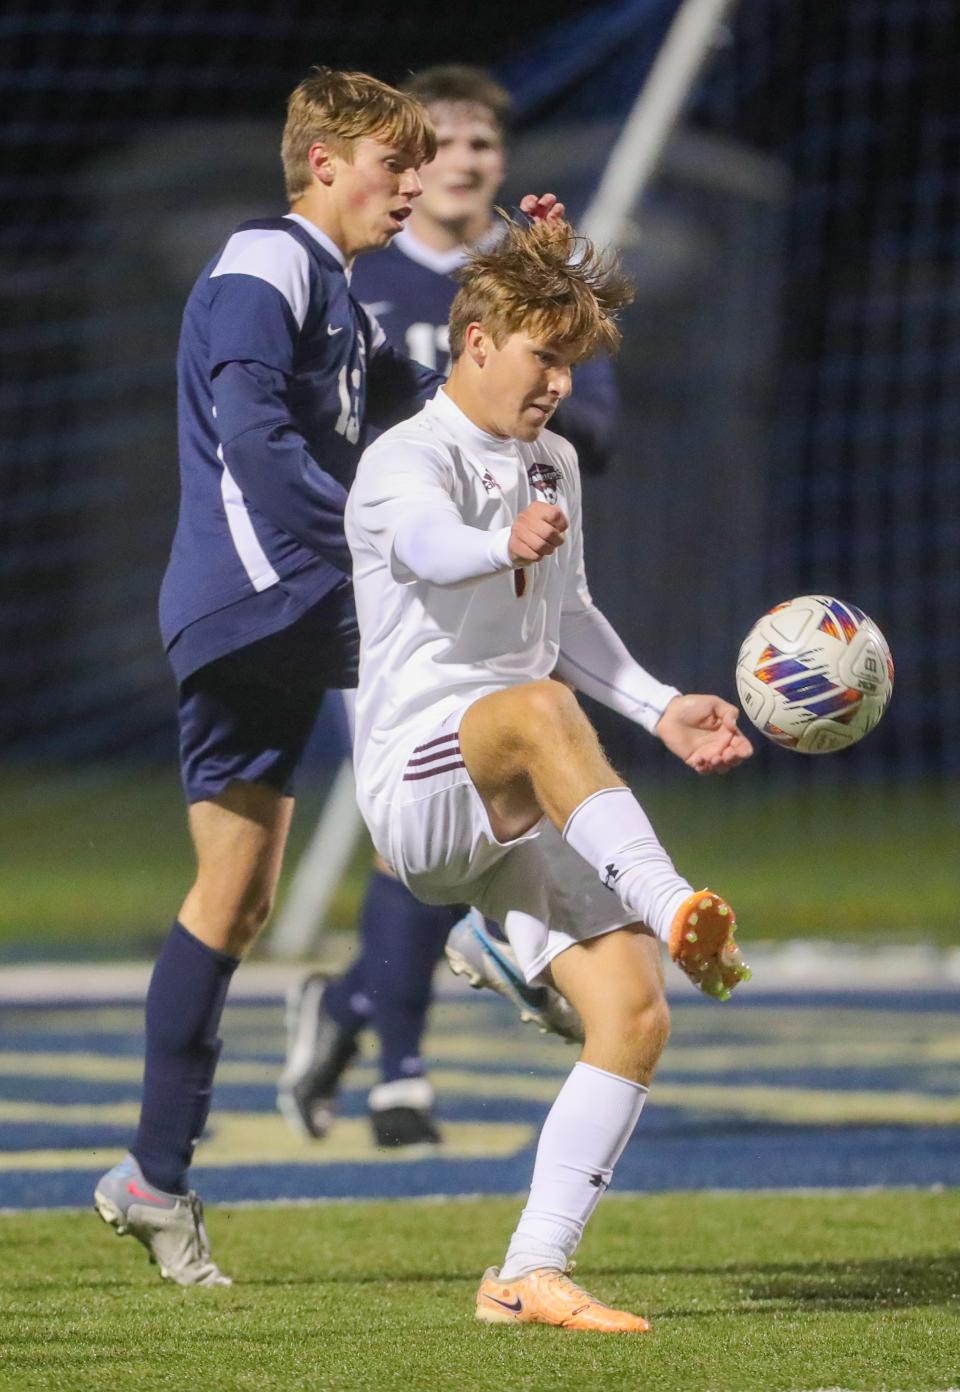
(279, 368)
(409, 287)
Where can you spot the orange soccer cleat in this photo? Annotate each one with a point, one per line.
(702, 944)
(550, 1297)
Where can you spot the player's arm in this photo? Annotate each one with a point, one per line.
(590, 417)
(435, 544)
(700, 729)
(397, 387)
(403, 503)
(253, 335)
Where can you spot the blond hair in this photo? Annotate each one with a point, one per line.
(340, 108)
(544, 279)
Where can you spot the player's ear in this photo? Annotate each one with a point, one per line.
(320, 159)
(476, 344)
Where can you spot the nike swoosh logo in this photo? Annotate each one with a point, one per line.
(534, 996)
(513, 1305)
(331, 330)
(138, 1193)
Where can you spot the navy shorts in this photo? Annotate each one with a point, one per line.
(249, 715)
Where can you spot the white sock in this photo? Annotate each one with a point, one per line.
(613, 833)
(582, 1139)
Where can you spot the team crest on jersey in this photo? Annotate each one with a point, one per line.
(489, 482)
(546, 481)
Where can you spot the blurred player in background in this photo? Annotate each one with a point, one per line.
(479, 777)
(279, 368)
(409, 288)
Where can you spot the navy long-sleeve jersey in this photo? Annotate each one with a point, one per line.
(279, 371)
(409, 288)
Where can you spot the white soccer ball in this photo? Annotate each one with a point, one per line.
(815, 674)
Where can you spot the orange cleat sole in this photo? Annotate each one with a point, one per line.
(702, 943)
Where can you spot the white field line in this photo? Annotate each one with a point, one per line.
(800, 967)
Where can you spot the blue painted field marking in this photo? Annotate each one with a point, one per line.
(831, 1090)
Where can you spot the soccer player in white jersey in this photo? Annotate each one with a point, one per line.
(480, 778)
(410, 286)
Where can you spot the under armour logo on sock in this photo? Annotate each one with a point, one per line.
(611, 872)
(598, 1181)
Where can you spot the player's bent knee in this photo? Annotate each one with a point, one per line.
(212, 912)
(639, 1027)
(251, 920)
(549, 709)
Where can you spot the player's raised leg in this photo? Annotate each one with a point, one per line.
(531, 751)
(615, 983)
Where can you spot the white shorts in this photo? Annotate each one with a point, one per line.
(440, 843)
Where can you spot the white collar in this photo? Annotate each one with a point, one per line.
(443, 262)
(463, 427)
(321, 238)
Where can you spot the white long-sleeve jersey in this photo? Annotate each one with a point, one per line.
(444, 615)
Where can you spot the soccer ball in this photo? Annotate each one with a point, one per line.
(814, 674)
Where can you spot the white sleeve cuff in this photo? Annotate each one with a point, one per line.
(594, 659)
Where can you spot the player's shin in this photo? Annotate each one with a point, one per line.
(582, 1139)
(612, 832)
(184, 1004)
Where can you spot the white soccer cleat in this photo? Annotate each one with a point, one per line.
(170, 1226)
(486, 961)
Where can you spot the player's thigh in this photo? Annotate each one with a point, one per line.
(502, 737)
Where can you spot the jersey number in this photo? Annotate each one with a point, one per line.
(426, 342)
(348, 421)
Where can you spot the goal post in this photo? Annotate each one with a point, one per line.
(656, 111)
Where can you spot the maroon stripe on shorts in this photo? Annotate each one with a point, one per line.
(432, 772)
(441, 739)
(452, 752)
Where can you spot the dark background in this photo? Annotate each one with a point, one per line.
(790, 369)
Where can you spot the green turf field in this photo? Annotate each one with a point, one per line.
(747, 1293)
(99, 863)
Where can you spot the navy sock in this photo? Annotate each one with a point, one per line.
(184, 1004)
(346, 999)
(402, 943)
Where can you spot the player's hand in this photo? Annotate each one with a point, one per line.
(702, 731)
(537, 532)
(542, 207)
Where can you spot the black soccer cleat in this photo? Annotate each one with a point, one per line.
(401, 1115)
(319, 1052)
